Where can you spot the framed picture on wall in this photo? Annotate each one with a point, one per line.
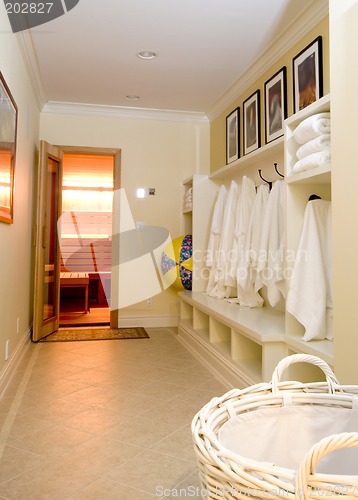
(251, 110)
(307, 75)
(275, 105)
(8, 128)
(233, 136)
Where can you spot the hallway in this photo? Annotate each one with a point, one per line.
(103, 420)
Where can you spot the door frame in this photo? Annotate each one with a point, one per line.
(43, 327)
(116, 153)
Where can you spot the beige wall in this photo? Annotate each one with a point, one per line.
(344, 110)
(16, 291)
(155, 153)
(218, 125)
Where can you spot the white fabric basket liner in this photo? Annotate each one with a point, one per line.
(281, 436)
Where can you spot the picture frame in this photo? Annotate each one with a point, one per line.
(307, 75)
(233, 136)
(275, 105)
(8, 133)
(251, 111)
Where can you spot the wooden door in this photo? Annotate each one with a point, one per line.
(47, 254)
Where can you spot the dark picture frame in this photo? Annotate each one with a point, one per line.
(307, 75)
(8, 133)
(251, 111)
(233, 136)
(275, 105)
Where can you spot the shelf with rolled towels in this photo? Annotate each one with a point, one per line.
(313, 137)
(308, 142)
(188, 200)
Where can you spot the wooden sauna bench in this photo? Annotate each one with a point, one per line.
(76, 280)
(86, 253)
(84, 266)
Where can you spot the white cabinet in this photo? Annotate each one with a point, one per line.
(299, 187)
(196, 221)
(243, 345)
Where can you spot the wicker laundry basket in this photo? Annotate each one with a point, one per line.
(274, 440)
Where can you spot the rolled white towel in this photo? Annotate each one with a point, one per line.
(313, 160)
(312, 127)
(187, 206)
(321, 143)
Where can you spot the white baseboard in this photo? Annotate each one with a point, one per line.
(13, 362)
(148, 321)
(219, 366)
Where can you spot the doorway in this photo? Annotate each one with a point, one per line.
(74, 236)
(85, 238)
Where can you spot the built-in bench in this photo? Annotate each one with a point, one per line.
(76, 280)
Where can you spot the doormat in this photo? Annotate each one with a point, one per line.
(77, 334)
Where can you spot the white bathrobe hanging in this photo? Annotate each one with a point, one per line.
(271, 261)
(211, 254)
(222, 266)
(309, 296)
(247, 295)
(243, 214)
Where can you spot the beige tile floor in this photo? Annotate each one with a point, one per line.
(103, 420)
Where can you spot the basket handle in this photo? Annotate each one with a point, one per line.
(303, 358)
(348, 488)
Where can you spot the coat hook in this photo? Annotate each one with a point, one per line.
(268, 182)
(314, 197)
(275, 165)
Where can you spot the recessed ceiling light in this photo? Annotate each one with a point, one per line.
(147, 54)
(132, 97)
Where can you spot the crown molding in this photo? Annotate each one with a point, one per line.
(295, 31)
(123, 112)
(28, 53)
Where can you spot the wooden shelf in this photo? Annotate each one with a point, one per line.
(321, 175)
(323, 104)
(250, 160)
(261, 324)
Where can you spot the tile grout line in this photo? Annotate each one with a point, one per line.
(12, 414)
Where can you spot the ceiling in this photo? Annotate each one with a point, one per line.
(88, 55)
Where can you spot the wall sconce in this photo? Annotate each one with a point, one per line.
(145, 192)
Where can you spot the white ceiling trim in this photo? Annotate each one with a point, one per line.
(316, 12)
(26, 47)
(123, 112)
